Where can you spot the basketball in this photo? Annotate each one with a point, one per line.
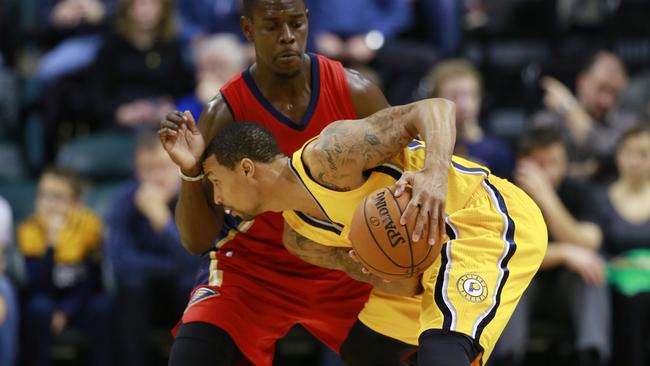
(382, 245)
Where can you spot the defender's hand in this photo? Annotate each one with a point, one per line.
(183, 141)
(427, 205)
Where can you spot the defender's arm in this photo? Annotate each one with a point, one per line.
(338, 258)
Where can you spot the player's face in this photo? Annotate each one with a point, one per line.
(464, 91)
(553, 162)
(278, 29)
(234, 189)
(633, 158)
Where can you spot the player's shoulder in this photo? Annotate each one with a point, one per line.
(357, 82)
(216, 114)
(366, 95)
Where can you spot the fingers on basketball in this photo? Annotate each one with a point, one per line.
(382, 245)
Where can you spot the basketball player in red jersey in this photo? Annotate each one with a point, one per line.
(251, 290)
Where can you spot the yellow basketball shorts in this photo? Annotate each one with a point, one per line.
(497, 243)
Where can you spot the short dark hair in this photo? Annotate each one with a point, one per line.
(539, 138)
(69, 176)
(239, 140)
(249, 7)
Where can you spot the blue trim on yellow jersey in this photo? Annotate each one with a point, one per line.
(318, 223)
(509, 237)
(438, 296)
(389, 170)
(464, 169)
(339, 226)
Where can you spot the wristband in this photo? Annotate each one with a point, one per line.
(190, 179)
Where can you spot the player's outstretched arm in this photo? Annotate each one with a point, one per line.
(338, 258)
(197, 217)
(346, 148)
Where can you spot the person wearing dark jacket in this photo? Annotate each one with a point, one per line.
(151, 266)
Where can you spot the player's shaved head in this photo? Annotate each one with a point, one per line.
(241, 140)
(249, 6)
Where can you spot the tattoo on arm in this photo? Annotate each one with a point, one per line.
(338, 258)
(345, 148)
(322, 255)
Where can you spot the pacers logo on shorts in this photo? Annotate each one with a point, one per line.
(472, 287)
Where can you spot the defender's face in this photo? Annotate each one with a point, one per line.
(234, 189)
(278, 29)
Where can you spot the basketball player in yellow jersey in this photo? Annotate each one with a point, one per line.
(495, 241)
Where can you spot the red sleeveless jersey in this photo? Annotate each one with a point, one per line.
(256, 247)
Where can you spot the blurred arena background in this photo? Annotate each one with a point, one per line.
(74, 93)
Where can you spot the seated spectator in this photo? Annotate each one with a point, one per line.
(8, 306)
(61, 19)
(460, 82)
(626, 229)
(572, 271)
(591, 120)
(61, 242)
(354, 31)
(200, 18)
(72, 27)
(139, 69)
(151, 266)
(217, 59)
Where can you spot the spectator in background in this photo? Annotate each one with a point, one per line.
(200, 18)
(590, 120)
(61, 242)
(73, 28)
(8, 306)
(460, 82)
(369, 35)
(217, 59)
(625, 222)
(139, 69)
(572, 271)
(150, 264)
(354, 31)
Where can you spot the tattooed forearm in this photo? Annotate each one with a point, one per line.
(314, 253)
(338, 258)
(371, 139)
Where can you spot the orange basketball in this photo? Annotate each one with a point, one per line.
(385, 247)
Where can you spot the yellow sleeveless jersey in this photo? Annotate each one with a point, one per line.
(394, 316)
(496, 242)
(339, 206)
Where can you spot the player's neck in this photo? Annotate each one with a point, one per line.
(273, 85)
(285, 190)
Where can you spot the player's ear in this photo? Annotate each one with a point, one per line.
(246, 27)
(247, 167)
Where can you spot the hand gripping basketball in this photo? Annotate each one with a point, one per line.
(427, 204)
(381, 244)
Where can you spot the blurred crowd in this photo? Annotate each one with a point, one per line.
(554, 95)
